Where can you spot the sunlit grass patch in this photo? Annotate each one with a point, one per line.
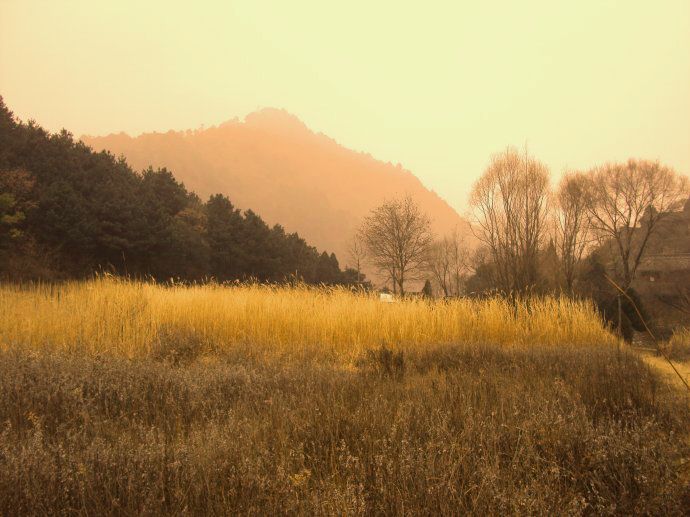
(128, 318)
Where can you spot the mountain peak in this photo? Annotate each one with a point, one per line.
(275, 119)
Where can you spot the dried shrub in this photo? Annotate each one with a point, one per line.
(383, 362)
(177, 345)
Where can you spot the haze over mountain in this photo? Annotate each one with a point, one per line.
(273, 163)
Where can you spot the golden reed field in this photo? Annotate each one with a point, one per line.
(109, 316)
(129, 398)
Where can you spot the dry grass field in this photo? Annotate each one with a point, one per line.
(119, 397)
(114, 317)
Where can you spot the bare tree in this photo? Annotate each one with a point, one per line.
(510, 201)
(447, 262)
(571, 225)
(356, 253)
(396, 236)
(625, 203)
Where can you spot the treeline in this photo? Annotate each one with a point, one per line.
(580, 238)
(585, 238)
(68, 212)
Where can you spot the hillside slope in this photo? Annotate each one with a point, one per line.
(288, 174)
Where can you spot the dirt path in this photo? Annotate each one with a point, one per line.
(662, 366)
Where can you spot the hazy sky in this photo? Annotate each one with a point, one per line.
(436, 86)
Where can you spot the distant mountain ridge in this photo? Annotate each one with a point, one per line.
(273, 163)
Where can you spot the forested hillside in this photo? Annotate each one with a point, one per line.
(272, 162)
(67, 212)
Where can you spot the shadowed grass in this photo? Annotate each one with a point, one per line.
(479, 429)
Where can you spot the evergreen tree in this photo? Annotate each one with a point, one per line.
(88, 211)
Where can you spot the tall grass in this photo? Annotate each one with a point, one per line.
(677, 348)
(482, 430)
(130, 398)
(128, 318)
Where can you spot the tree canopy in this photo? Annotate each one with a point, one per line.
(67, 212)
